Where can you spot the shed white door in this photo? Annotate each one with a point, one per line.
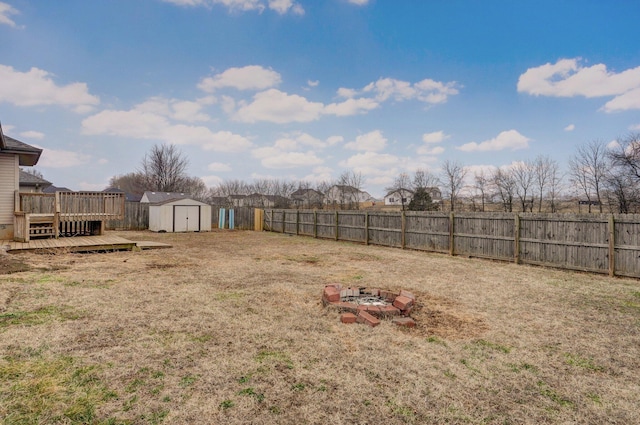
(186, 218)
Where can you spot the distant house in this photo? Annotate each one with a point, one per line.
(54, 189)
(435, 193)
(13, 155)
(236, 200)
(32, 183)
(344, 196)
(307, 198)
(128, 197)
(399, 197)
(150, 197)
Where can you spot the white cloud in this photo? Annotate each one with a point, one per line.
(319, 174)
(181, 110)
(278, 157)
(435, 137)
(427, 90)
(103, 161)
(313, 83)
(278, 107)
(347, 93)
(52, 158)
(624, 102)
(279, 6)
(372, 142)
(510, 139)
(283, 6)
(93, 187)
(427, 150)
(351, 107)
(568, 78)
(36, 87)
(140, 124)
(211, 181)
(334, 140)
(373, 164)
(32, 135)
(5, 11)
(635, 127)
(219, 167)
(251, 77)
(570, 127)
(358, 2)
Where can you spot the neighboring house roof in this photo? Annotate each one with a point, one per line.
(160, 197)
(28, 179)
(54, 189)
(345, 188)
(399, 190)
(306, 193)
(27, 154)
(129, 197)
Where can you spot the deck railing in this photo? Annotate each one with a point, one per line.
(64, 213)
(73, 206)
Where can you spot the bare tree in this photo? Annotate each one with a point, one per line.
(164, 168)
(350, 183)
(423, 178)
(555, 186)
(400, 186)
(627, 155)
(481, 184)
(587, 170)
(452, 179)
(523, 175)
(505, 187)
(135, 183)
(543, 168)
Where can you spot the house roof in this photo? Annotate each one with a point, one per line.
(54, 189)
(28, 179)
(301, 193)
(27, 154)
(391, 192)
(129, 197)
(161, 197)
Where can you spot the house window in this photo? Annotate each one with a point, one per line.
(392, 199)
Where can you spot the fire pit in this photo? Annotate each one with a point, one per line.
(365, 305)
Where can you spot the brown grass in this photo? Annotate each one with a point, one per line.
(228, 327)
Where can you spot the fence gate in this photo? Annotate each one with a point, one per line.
(268, 220)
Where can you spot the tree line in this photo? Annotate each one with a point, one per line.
(599, 174)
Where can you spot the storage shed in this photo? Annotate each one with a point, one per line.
(180, 215)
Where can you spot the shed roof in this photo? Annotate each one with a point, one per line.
(161, 197)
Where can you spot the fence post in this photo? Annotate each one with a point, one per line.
(315, 223)
(403, 228)
(612, 246)
(516, 242)
(336, 224)
(297, 221)
(452, 250)
(271, 221)
(366, 227)
(284, 221)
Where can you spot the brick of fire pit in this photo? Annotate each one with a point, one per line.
(331, 294)
(404, 321)
(388, 295)
(407, 294)
(348, 318)
(402, 302)
(364, 317)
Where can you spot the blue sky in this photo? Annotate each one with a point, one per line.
(304, 90)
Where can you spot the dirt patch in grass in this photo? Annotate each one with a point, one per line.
(229, 327)
(10, 264)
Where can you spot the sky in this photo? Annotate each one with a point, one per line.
(305, 90)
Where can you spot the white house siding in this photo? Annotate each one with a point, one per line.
(179, 216)
(9, 183)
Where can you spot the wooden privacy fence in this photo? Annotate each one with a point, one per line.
(136, 217)
(243, 218)
(595, 243)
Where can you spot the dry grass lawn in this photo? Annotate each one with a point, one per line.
(229, 328)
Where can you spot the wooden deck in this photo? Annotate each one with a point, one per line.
(75, 244)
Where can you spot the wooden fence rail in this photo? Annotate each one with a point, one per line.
(600, 243)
